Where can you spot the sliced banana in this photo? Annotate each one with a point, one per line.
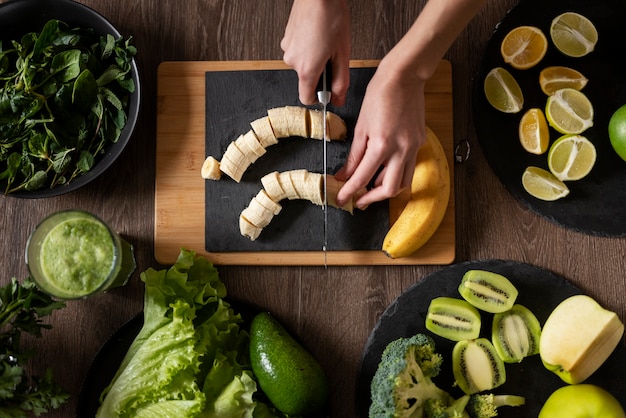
(271, 185)
(257, 215)
(334, 124)
(281, 122)
(211, 169)
(289, 121)
(293, 184)
(264, 132)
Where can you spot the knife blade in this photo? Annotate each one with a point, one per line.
(324, 96)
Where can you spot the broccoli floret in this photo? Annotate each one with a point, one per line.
(438, 408)
(402, 383)
(486, 405)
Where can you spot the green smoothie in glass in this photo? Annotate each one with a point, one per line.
(73, 254)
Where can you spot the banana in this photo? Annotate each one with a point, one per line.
(281, 122)
(335, 126)
(257, 215)
(211, 169)
(293, 184)
(264, 132)
(289, 121)
(430, 193)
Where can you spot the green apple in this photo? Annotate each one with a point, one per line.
(577, 338)
(581, 401)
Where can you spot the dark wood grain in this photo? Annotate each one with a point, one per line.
(332, 310)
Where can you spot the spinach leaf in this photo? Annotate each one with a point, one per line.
(64, 97)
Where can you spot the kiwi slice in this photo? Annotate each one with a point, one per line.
(515, 334)
(454, 319)
(476, 366)
(490, 292)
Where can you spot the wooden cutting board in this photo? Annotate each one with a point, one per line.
(181, 197)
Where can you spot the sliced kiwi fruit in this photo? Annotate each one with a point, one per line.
(490, 292)
(515, 334)
(476, 366)
(452, 318)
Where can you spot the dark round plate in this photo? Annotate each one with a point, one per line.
(539, 290)
(18, 17)
(596, 204)
(110, 356)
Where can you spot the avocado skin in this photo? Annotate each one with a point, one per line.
(288, 374)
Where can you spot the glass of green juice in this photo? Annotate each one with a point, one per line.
(73, 254)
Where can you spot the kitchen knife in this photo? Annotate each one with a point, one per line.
(324, 96)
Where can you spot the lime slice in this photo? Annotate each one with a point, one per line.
(569, 111)
(557, 77)
(573, 34)
(523, 47)
(533, 131)
(502, 91)
(543, 185)
(571, 157)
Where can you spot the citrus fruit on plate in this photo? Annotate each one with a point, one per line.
(617, 131)
(534, 134)
(523, 47)
(573, 34)
(543, 185)
(557, 77)
(569, 111)
(502, 91)
(571, 157)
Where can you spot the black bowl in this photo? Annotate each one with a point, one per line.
(18, 17)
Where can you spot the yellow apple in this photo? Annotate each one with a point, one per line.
(577, 338)
(581, 401)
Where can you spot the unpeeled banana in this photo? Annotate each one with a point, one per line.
(291, 185)
(424, 212)
(280, 122)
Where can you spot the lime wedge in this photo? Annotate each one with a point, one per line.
(543, 185)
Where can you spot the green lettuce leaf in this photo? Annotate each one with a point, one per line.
(190, 358)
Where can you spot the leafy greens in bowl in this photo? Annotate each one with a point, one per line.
(69, 96)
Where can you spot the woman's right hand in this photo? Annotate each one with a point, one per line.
(318, 31)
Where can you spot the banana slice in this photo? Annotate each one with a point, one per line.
(250, 145)
(289, 121)
(211, 169)
(272, 186)
(257, 215)
(235, 161)
(248, 230)
(334, 124)
(264, 132)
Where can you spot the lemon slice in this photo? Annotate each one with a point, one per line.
(571, 157)
(573, 34)
(543, 185)
(557, 77)
(523, 47)
(502, 91)
(533, 131)
(569, 111)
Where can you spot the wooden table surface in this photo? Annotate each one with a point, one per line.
(332, 310)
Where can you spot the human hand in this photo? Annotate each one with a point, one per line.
(389, 132)
(318, 31)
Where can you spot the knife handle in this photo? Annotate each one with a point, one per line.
(328, 71)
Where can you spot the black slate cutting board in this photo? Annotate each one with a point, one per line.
(236, 98)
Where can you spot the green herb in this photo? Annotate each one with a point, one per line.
(63, 98)
(22, 307)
